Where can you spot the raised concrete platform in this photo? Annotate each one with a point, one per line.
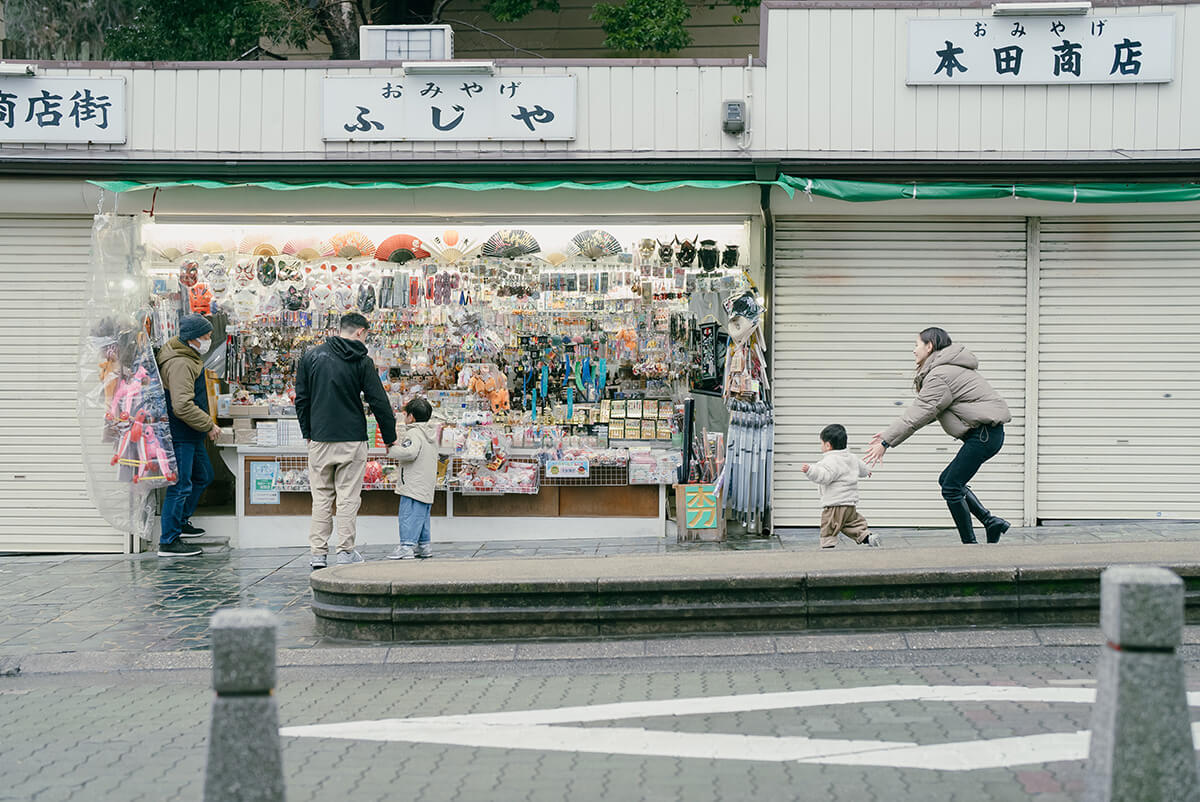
(758, 591)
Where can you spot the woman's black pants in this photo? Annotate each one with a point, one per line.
(980, 445)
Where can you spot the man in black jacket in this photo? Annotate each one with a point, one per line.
(331, 382)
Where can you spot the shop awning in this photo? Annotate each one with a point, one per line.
(851, 191)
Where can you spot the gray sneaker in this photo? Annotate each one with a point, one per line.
(873, 540)
(348, 557)
(318, 561)
(424, 550)
(402, 552)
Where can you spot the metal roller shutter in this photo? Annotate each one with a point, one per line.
(1119, 369)
(44, 503)
(850, 296)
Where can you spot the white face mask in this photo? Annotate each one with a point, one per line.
(202, 345)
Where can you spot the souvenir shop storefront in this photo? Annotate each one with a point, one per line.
(581, 360)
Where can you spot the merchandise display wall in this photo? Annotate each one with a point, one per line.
(561, 362)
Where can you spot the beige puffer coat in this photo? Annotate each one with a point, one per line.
(950, 388)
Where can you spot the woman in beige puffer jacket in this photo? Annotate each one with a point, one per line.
(950, 389)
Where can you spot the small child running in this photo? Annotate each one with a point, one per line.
(838, 473)
(417, 454)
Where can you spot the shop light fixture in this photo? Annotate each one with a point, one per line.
(1040, 9)
(17, 70)
(449, 67)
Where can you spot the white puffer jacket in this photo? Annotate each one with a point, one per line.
(416, 451)
(838, 473)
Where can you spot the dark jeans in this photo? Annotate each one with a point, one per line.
(195, 474)
(979, 446)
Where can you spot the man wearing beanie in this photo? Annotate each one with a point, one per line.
(331, 382)
(181, 363)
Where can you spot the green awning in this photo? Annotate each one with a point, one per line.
(851, 191)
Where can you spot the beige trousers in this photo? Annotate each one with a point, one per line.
(844, 519)
(335, 473)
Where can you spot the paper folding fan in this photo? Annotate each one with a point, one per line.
(509, 243)
(350, 245)
(401, 248)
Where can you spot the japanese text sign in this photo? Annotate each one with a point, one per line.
(62, 110)
(1093, 49)
(701, 506)
(449, 107)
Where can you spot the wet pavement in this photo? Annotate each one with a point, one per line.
(51, 604)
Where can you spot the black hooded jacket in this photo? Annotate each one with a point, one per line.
(331, 382)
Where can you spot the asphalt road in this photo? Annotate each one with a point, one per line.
(975, 719)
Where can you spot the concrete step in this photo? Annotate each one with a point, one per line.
(637, 595)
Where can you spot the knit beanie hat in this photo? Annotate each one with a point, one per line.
(193, 327)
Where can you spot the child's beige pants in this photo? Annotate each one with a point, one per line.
(844, 519)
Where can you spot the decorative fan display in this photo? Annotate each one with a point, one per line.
(168, 252)
(401, 248)
(556, 258)
(594, 243)
(259, 243)
(509, 243)
(350, 245)
(214, 246)
(305, 248)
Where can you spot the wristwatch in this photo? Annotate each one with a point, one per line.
(884, 443)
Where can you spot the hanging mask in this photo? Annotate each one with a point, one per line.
(200, 299)
(646, 249)
(343, 298)
(322, 296)
(266, 271)
(730, 256)
(342, 275)
(218, 278)
(295, 299)
(687, 252)
(270, 305)
(366, 298)
(243, 274)
(708, 255)
(290, 272)
(189, 273)
(665, 251)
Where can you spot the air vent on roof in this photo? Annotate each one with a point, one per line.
(405, 42)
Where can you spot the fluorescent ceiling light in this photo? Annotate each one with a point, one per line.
(17, 70)
(1040, 9)
(449, 67)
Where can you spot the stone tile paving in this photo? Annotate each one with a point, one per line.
(129, 738)
(85, 603)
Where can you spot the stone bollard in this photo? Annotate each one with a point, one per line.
(244, 759)
(1141, 746)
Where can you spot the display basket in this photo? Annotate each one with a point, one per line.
(291, 476)
(499, 487)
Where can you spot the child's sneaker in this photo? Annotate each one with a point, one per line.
(402, 552)
(873, 540)
(424, 550)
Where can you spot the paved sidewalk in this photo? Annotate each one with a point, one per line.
(144, 611)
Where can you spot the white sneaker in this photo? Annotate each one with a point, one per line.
(424, 550)
(402, 552)
(873, 540)
(318, 561)
(348, 557)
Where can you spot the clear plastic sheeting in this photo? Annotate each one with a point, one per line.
(122, 408)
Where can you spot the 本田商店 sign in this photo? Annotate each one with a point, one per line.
(63, 110)
(449, 107)
(1093, 49)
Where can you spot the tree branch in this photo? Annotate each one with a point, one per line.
(502, 40)
(436, 16)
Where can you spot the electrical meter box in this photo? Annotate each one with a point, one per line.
(733, 116)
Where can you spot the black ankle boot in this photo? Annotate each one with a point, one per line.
(994, 525)
(962, 519)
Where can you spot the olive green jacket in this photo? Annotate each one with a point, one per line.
(180, 366)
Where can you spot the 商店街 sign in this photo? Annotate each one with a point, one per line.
(1092, 49)
(449, 107)
(62, 110)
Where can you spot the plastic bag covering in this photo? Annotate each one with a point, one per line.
(867, 191)
(126, 441)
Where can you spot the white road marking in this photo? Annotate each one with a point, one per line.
(536, 730)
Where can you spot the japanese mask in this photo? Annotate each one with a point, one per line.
(243, 274)
(366, 298)
(322, 295)
(687, 251)
(217, 275)
(295, 299)
(646, 249)
(665, 251)
(708, 255)
(200, 299)
(343, 298)
(290, 272)
(342, 276)
(189, 273)
(730, 256)
(267, 274)
(271, 304)
(245, 301)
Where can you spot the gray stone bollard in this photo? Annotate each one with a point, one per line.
(1141, 746)
(244, 759)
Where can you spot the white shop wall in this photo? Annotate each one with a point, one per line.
(44, 280)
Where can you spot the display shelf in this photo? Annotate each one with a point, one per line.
(508, 481)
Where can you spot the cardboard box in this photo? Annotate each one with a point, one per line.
(249, 411)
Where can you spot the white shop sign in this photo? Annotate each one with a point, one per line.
(63, 110)
(449, 107)
(1093, 49)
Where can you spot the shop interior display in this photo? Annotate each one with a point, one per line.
(533, 344)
